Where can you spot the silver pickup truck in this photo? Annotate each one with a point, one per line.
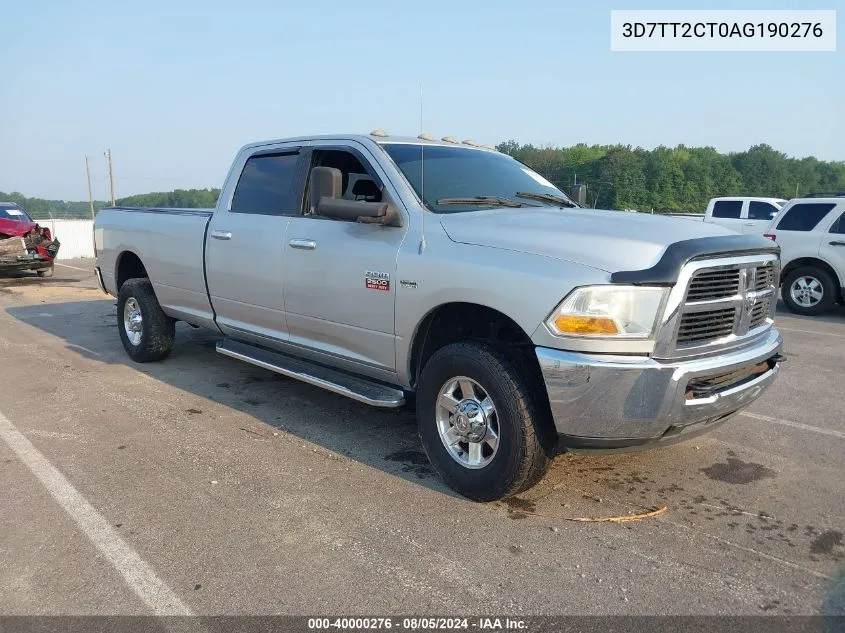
(389, 268)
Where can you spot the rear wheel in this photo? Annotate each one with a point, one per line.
(479, 423)
(808, 290)
(146, 332)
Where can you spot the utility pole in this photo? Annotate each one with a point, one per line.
(111, 177)
(90, 197)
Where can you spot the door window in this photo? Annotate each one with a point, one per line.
(761, 210)
(727, 209)
(804, 217)
(268, 186)
(357, 182)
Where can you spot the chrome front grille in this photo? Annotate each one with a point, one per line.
(719, 303)
(713, 284)
(703, 326)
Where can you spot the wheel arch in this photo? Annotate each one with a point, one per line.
(128, 265)
(458, 321)
(816, 263)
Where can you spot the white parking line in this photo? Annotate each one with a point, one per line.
(792, 329)
(137, 573)
(85, 270)
(795, 425)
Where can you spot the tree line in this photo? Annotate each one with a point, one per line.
(41, 209)
(664, 179)
(676, 179)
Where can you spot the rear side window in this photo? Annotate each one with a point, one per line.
(761, 210)
(268, 186)
(804, 217)
(727, 209)
(839, 226)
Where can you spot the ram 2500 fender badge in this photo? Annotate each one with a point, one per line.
(375, 280)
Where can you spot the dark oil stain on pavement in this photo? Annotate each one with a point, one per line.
(517, 508)
(193, 411)
(414, 462)
(825, 542)
(735, 471)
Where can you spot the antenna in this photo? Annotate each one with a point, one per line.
(422, 177)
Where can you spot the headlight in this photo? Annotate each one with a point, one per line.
(608, 311)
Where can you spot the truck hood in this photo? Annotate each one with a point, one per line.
(606, 240)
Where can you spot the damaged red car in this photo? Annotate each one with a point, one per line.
(24, 244)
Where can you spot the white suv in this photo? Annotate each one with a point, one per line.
(811, 234)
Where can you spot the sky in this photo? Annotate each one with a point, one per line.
(175, 87)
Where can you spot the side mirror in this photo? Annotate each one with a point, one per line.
(326, 201)
(352, 210)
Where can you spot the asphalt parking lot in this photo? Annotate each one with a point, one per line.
(204, 485)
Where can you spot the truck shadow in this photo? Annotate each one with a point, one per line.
(383, 439)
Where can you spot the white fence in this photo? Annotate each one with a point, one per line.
(75, 236)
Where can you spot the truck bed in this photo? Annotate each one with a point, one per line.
(171, 245)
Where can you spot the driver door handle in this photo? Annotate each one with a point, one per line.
(837, 243)
(308, 245)
(221, 235)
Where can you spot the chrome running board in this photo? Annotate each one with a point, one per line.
(369, 392)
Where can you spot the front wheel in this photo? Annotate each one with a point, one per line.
(45, 272)
(808, 290)
(146, 332)
(479, 423)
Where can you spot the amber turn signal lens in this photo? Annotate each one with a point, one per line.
(568, 324)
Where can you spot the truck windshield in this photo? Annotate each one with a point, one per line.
(455, 173)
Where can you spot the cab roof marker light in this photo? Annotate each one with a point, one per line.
(471, 143)
(379, 132)
(449, 139)
(425, 136)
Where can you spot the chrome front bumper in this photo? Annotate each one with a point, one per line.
(602, 402)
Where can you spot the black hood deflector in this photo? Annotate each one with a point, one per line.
(666, 271)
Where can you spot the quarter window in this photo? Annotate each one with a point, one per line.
(839, 226)
(727, 209)
(804, 217)
(268, 185)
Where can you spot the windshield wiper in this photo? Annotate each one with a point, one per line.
(546, 197)
(486, 200)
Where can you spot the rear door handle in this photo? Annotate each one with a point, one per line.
(308, 245)
(837, 243)
(749, 224)
(221, 235)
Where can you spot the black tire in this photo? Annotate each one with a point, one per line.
(157, 329)
(830, 291)
(521, 459)
(45, 272)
